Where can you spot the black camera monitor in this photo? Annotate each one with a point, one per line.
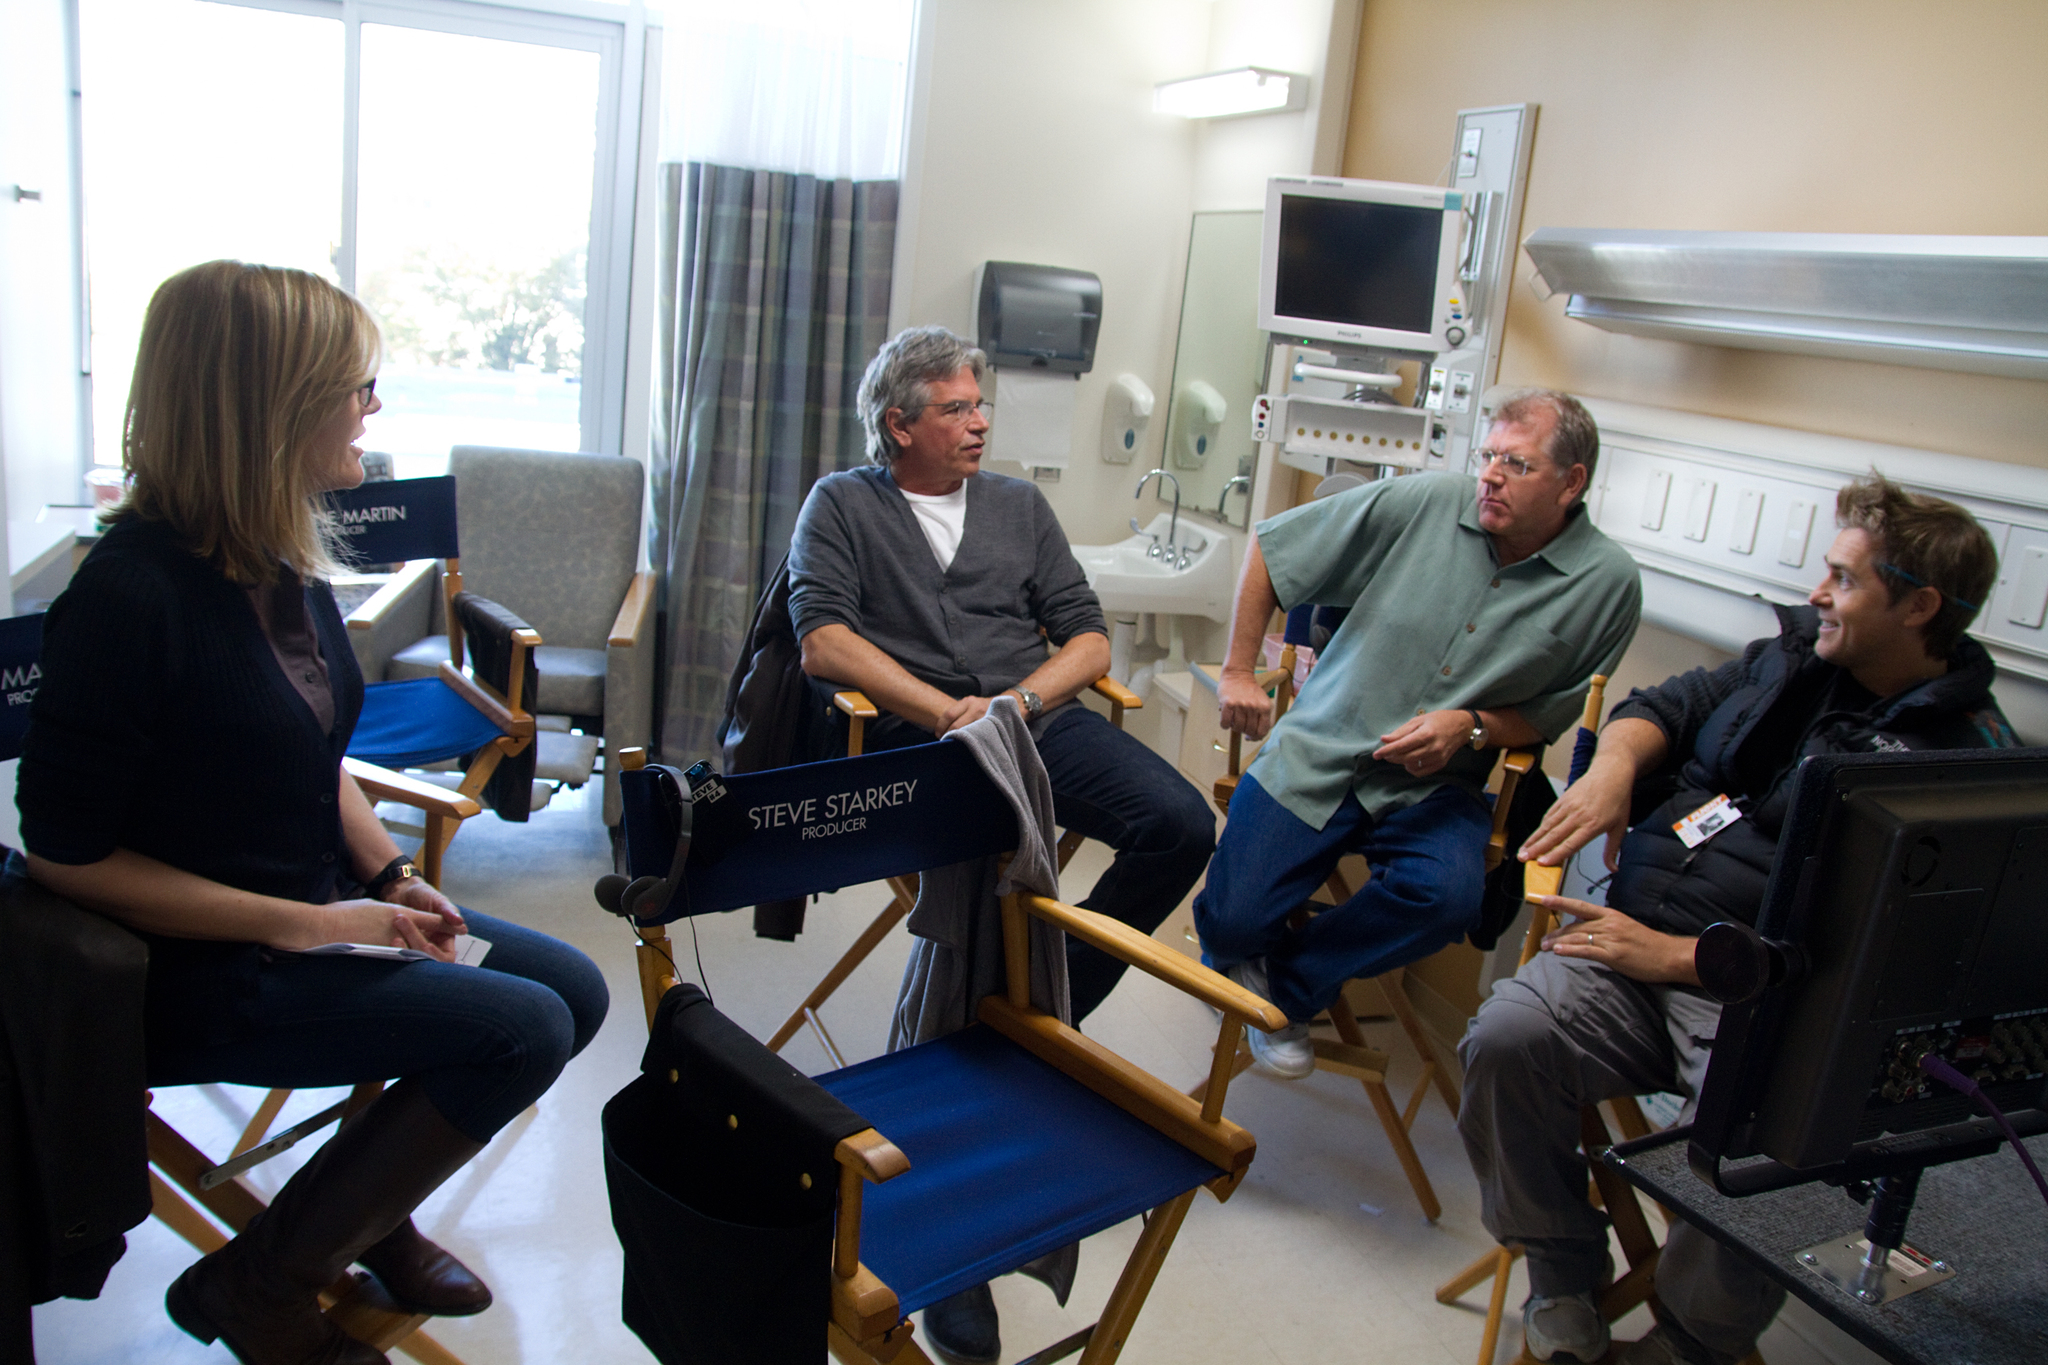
(1907, 915)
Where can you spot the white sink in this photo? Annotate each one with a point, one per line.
(1129, 578)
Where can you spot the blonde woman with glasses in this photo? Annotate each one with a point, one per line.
(182, 774)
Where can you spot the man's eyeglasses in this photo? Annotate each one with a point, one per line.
(958, 410)
(366, 393)
(1513, 464)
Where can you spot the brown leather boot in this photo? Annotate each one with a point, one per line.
(424, 1277)
(258, 1293)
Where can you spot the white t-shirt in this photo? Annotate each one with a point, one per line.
(942, 516)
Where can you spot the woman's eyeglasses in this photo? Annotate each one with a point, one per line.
(366, 393)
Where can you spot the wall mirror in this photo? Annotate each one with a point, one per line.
(1218, 368)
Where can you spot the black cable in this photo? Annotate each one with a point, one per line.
(698, 949)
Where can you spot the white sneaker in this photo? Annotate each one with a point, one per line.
(1285, 1052)
(1569, 1328)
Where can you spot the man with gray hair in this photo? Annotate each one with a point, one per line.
(1480, 608)
(934, 587)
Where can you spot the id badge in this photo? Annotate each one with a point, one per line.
(1704, 823)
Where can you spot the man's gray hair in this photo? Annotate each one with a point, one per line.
(1574, 440)
(901, 376)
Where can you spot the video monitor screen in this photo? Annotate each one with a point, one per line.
(1358, 264)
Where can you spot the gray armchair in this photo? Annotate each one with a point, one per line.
(554, 538)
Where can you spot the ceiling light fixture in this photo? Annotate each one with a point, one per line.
(1230, 94)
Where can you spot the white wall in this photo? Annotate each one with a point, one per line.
(1033, 139)
(41, 437)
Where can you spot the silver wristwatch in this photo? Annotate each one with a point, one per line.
(1478, 730)
(1033, 703)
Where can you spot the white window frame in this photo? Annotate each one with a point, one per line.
(617, 33)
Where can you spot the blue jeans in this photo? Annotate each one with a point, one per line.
(485, 1041)
(1113, 789)
(1428, 865)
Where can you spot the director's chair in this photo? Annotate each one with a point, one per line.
(956, 1160)
(43, 927)
(1348, 1054)
(476, 715)
(858, 711)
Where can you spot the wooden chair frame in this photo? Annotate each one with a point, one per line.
(1349, 1054)
(866, 1325)
(859, 711)
(445, 810)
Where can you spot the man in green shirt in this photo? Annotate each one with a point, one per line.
(1479, 611)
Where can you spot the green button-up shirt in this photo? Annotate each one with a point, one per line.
(1436, 624)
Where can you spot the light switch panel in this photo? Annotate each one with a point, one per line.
(1798, 530)
(1699, 509)
(2029, 600)
(1749, 510)
(1655, 496)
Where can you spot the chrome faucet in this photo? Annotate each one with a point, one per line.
(1238, 481)
(1173, 524)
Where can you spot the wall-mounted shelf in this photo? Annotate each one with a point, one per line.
(1978, 304)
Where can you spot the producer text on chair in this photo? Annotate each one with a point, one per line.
(1479, 611)
(1877, 661)
(934, 587)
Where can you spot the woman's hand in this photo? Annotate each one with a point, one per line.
(1614, 940)
(416, 893)
(380, 922)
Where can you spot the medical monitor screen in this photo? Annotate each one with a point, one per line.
(1357, 264)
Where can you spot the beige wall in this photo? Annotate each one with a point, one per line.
(1741, 115)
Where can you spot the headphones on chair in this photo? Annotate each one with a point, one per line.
(643, 899)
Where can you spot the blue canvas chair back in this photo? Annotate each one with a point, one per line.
(787, 832)
(388, 523)
(21, 651)
(1305, 620)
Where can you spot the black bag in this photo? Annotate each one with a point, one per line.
(728, 1247)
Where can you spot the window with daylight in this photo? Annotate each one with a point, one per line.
(457, 165)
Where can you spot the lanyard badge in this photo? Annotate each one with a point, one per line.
(1704, 823)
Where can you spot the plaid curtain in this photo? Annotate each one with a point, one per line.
(774, 294)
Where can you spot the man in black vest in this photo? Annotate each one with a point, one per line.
(1877, 661)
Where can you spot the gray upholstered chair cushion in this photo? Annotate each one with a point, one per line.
(553, 538)
(420, 659)
(571, 680)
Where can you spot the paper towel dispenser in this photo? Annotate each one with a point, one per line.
(1041, 317)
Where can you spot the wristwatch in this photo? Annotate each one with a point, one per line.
(1478, 730)
(1033, 703)
(397, 870)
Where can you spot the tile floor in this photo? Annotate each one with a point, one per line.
(1321, 1257)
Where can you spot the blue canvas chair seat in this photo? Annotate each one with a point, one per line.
(1043, 1161)
(420, 721)
(983, 1149)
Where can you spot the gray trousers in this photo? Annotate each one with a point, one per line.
(1559, 1034)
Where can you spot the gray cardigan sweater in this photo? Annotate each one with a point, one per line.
(859, 559)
